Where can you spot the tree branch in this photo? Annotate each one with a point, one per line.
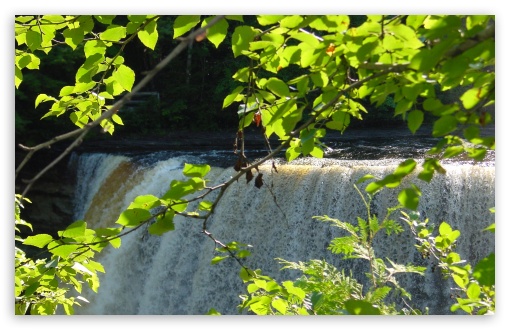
(114, 109)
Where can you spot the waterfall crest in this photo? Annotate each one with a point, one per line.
(173, 275)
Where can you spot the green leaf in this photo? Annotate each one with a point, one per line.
(105, 19)
(405, 168)
(445, 229)
(444, 125)
(145, 202)
(471, 97)
(261, 306)
(402, 106)
(292, 153)
(485, 271)
(94, 47)
(280, 305)
(365, 178)
(241, 39)
(60, 250)
(185, 23)
(192, 170)
(133, 217)
(414, 120)
(415, 21)
(245, 275)
(66, 90)
(213, 311)
(82, 87)
(73, 37)
(298, 292)
(216, 33)
(492, 227)
(163, 225)
(453, 151)
(424, 60)
(359, 307)
(33, 39)
(116, 119)
(125, 76)
(232, 97)
(43, 98)
(149, 35)
(331, 23)
(179, 189)
(291, 21)
(278, 87)
(205, 206)
(40, 240)
(473, 291)
(76, 229)
(235, 17)
(269, 19)
(218, 259)
(409, 198)
(18, 76)
(113, 33)
(320, 79)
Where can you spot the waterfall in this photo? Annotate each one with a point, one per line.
(172, 274)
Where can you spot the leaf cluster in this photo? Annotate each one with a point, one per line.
(476, 285)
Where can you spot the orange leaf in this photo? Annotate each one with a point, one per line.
(257, 118)
(331, 49)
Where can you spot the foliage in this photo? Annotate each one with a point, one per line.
(42, 285)
(325, 290)
(477, 284)
(403, 57)
(300, 77)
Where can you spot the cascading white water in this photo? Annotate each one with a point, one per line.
(173, 275)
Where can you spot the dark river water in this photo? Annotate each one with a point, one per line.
(217, 148)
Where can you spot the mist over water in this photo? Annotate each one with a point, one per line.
(173, 275)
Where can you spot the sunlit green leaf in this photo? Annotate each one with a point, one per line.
(43, 98)
(73, 37)
(179, 189)
(185, 23)
(125, 76)
(409, 198)
(133, 217)
(471, 97)
(291, 21)
(40, 240)
(193, 170)
(278, 87)
(76, 229)
(241, 39)
(149, 35)
(218, 259)
(18, 76)
(163, 225)
(269, 19)
(113, 33)
(216, 33)
(62, 250)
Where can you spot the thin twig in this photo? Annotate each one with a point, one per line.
(115, 108)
